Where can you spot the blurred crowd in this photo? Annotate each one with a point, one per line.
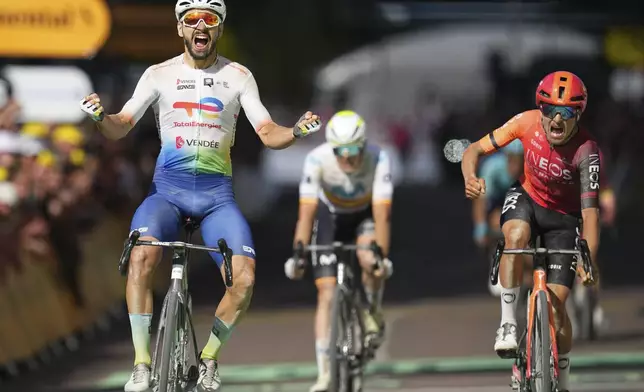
(56, 181)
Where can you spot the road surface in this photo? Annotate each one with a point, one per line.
(434, 345)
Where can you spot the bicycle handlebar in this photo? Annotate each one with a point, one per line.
(542, 251)
(582, 254)
(300, 250)
(133, 240)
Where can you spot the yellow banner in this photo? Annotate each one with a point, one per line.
(59, 29)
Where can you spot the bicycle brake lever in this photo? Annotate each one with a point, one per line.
(377, 251)
(585, 257)
(127, 251)
(298, 255)
(227, 254)
(496, 262)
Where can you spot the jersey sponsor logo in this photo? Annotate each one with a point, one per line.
(180, 142)
(248, 249)
(593, 169)
(208, 82)
(186, 84)
(208, 107)
(553, 170)
(510, 202)
(195, 124)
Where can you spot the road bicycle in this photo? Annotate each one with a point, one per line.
(175, 360)
(537, 361)
(350, 349)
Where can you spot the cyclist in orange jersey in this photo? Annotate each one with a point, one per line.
(557, 198)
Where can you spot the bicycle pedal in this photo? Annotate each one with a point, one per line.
(507, 354)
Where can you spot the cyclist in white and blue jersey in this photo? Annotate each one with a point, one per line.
(196, 98)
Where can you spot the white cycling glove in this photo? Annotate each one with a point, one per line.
(92, 106)
(389, 267)
(293, 269)
(300, 130)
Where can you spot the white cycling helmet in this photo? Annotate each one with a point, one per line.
(346, 129)
(216, 6)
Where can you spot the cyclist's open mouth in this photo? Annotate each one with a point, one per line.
(200, 41)
(557, 132)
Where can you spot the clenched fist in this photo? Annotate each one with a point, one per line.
(474, 188)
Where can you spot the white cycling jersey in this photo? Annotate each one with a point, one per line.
(196, 112)
(346, 192)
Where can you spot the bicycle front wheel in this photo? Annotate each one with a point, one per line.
(166, 376)
(341, 343)
(541, 378)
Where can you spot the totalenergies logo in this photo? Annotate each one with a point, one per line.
(208, 107)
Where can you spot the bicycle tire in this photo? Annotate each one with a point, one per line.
(341, 380)
(169, 341)
(541, 377)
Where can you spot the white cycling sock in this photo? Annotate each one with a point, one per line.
(509, 301)
(564, 372)
(322, 356)
(140, 325)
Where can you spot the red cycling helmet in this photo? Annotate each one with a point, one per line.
(562, 88)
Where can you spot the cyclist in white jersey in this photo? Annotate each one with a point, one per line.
(352, 178)
(196, 98)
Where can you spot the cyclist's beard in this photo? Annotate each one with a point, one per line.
(200, 55)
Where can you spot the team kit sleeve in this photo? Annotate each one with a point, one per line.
(145, 94)
(383, 188)
(255, 111)
(501, 137)
(590, 174)
(310, 183)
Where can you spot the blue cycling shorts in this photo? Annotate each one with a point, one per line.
(206, 198)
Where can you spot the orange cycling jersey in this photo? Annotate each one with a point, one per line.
(562, 178)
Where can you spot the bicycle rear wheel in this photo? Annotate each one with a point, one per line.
(541, 377)
(341, 343)
(167, 377)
